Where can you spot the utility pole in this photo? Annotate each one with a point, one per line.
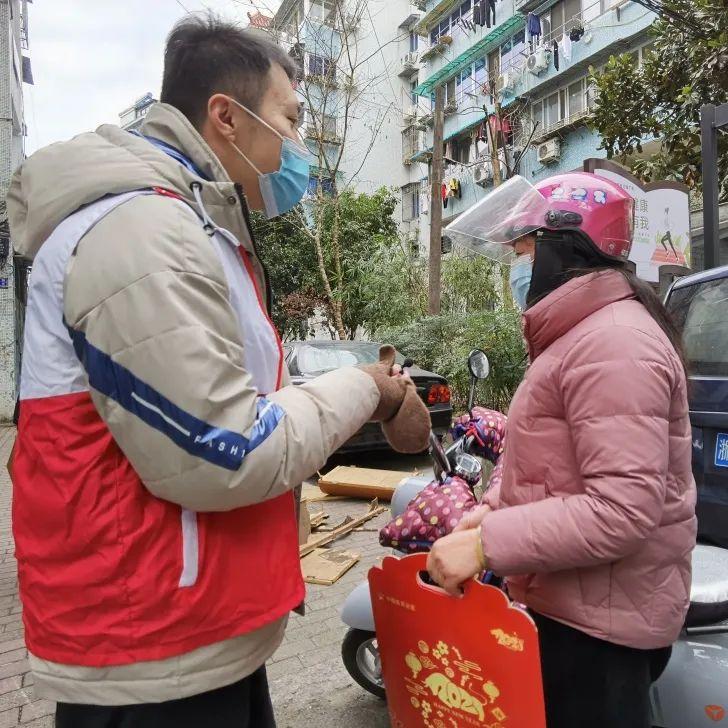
(492, 135)
(493, 145)
(435, 283)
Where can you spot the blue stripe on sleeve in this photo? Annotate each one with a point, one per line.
(216, 445)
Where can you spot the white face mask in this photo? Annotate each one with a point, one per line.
(281, 190)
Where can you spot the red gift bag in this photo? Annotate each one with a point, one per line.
(449, 662)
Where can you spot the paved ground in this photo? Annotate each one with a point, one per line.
(309, 684)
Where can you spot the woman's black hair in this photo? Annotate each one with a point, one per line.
(564, 255)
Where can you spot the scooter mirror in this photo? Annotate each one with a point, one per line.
(478, 364)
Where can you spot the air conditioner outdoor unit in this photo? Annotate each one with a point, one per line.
(506, 81)
(538, 61)
(549, 151)
(482, 174)
(408, 64)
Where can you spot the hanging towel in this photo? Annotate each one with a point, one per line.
(534, 25)
(556, 55)
(476, 14)
(565, 48)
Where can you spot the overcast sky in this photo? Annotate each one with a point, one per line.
(91, 60)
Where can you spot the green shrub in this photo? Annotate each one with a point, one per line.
(442, 343)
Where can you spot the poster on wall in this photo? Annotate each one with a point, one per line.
(661, 219)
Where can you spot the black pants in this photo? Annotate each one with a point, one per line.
(589, 683)
(244, 704)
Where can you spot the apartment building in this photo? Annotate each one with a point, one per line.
(517, 95)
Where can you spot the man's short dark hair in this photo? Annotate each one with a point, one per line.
(206, 55)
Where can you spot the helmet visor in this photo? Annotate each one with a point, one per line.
(491, 226)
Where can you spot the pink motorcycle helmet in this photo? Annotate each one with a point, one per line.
(595, 207)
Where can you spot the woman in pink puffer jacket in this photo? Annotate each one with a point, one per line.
(593, 523)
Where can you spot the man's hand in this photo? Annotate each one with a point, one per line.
(456, 558)
(473, 519)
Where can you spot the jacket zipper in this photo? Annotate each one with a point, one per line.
(246, 216)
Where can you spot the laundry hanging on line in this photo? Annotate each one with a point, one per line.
(555, 47)
(576, 34)
(565, 48)
(534, 25)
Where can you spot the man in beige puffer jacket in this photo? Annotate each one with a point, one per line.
(158, 442)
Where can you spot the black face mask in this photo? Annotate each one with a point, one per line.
(558, 258)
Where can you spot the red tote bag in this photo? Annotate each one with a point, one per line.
(452, 662)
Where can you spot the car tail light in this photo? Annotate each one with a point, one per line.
(438, 394)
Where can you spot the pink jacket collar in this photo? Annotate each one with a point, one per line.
(564, 308)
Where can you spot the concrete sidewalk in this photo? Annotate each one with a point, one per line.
(18, 705)
(309, 684)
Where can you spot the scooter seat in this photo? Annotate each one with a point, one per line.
(709, 590)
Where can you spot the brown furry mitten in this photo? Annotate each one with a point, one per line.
(409, 430)
(404, 416)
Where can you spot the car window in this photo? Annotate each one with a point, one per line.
(701, 313)
(321, 358)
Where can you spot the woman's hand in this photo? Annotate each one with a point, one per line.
(456, 558)
(473, 519)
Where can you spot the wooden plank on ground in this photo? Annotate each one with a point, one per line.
(327, 566)
(318, 518)
(313, 494)
(347, 527)
(353, 482)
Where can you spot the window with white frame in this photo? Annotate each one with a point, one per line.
(324, 11)
(410, 202)
(328, 126)
(410, 142)
(567, 104)
(413, 41)
(320, 65)
(480, 73)
(292, 22)
(463, 84)
(414, 98)
(450, 92)
(512, 50)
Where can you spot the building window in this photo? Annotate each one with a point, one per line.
(320, 66)
(324, 11)
(328, 126)
(413, 41)
(320, 184)
(480, 75)
(410, 202)
(410, 142)
(463, 83)
(511, 51)
(414, 98)
(568, 103)
(293, 21)
(450, 97)
(576, 98)
(458, 148)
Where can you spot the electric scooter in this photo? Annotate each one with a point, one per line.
(692, 692)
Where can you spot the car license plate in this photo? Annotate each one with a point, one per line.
(721, 450)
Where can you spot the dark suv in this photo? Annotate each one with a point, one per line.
(699, 306)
